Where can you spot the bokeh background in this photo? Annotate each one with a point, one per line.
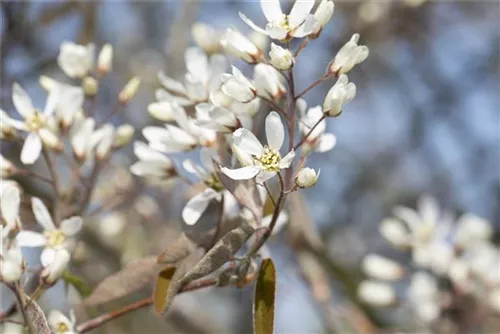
(425, 120)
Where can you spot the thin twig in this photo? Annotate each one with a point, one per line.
(302, 45)
(312, 85)
(55, 183)
(308, 133)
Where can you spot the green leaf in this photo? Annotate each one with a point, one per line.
(83, 288)
(161, 293)
(264, 299)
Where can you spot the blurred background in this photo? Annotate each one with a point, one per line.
(425, 120)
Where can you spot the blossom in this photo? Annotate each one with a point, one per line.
(80, 142)
(10, 202)
(53, 271)
(263, 162)
(11, 264)
(313, 126)
(281, 58)
(206, 37)
(341, 93)
(306, 177)
(237, 86)
(376, 293)
(76, 60)
(151, 162)
(299, 23)
(129, 90)
(423, 294)
(380, 267)
(216, 117)
(323, 14)
(269, 83)
(202, 77)
(240, 46)
(471, 229)
(348, 56)
(52, 238)
(105, 59)
(102, 139)
(35, 123)
(60, 323)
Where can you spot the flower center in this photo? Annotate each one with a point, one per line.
(213, 182)
(269, 160)
(35, 122)
(282, 22)
(54, 238)
(61, 327)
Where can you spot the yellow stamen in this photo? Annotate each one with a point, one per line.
(269, 160)
(54, 238)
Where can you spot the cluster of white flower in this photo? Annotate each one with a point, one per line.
(449, 259)
(213, 109)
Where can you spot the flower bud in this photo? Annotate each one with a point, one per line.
(51, 273)
(269, 82)
(322, 15)
(206, 37)
(348, 56)
(51, 140)
(11, 265)
(76, 60)
(341, 93)
(47, 83)
(379, 267)
(130, 89)
(281, 58)
(239, 46)
(105, 59)
(394, 232)
(90, 86)
(103, 138)
(306, 177)
(123, 135)
(237, 86)
(377, 293)
(260, 40)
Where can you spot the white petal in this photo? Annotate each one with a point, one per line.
(150, 168)
(275, 132)
(30, 239)
(326, 142)
(287, 160)
(246, 141)
(197, 205)
(48, 256)
(243, 173)
(428, 209)
(31, 149)
(276, 32)
(197, 63)
(42, 214)
(207, 157)
(71, 226)
(156, 134)
(251, 24)
(305, 28)
(52, 102)
(271, 9)
(395, 232)
(171, 84)
(56, 317)
(9, 203)
(299, 12)
(22, 101)
(146, 153)
(264, 176)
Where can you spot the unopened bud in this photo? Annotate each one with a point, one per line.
(130, 89)
(123, 135)
(206, 37)
(11, 265)
(90, 86)
(377, 293)
(349, 56)
(379, 267)
(54, 270)
(281, 58)
(306, 178)
(105, 59)
(105, 137)
(47, 83)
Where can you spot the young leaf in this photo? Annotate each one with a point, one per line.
(131, 278)
(177, 251)
(83, 289)
(264, 298)
(37, 321)
(162, 286)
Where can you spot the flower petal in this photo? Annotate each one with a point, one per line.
(271, 9)
(299, 12)
(246, 141)
(52, 101)
(31, 149)
(71, 226)
(42, 214)
(197, 205)
(48, 256)
(264, 176)
(326, 142)
(9, 204)
(287, 160)
(251, 24)
(275, 132)
(243, 173)
(22, 101)
(30, 239)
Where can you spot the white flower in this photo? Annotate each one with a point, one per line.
(376, 293)
(129, 90)
(239, 46)
(299, 23)
(317, 140)
(395, 232)
(237, 86)
(80, 139)
(11, 264)
(52, 238)
(471, 229)
(281, 58)
(70, 102)
(206, 37)
(380, 267)
(269, 83)
(202, 77)
(151, 162)
(423, 294)
(323, 14)
(35, 123)
(61, 324)
(306, 177)
(169, 139)
(102, 140)
(348, 56)
(105, 59)
(264, 161)
(341, 93)
(216, 117)
(10, 201)
(76, 60)
(53, 271)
